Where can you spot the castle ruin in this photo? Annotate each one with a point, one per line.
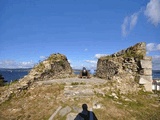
(130, 64)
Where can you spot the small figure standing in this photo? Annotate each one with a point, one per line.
(85, 114)
(84, 73)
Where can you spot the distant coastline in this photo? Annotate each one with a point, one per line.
(11, 74)
(17, 69)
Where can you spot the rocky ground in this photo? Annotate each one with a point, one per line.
(61, 99)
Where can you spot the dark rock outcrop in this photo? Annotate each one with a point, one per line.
(2, 81)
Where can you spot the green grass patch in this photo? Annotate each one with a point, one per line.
(75, 83)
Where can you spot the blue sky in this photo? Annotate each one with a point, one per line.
(83, 30)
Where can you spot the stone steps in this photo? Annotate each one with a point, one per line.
(76, 87)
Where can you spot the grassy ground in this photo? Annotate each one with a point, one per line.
(35, 104)
(40, 103)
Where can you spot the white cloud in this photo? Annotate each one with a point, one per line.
(72, 66)
(99, 55)
(156, 62)
(70, 61)
(42, 57)
(153, 11)
(14, 64)
(152, 47)
(129, 23)
(124, 26)
(91, 61)
(158, 47)
(156, 57)
(133, 20)
(92, 64)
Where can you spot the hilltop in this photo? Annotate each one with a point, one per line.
(51, 88)
(45, 97)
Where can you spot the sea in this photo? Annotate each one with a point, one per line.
(15, 74)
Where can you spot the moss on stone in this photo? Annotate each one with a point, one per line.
(130, 53)
(39, 67)
(56, 57)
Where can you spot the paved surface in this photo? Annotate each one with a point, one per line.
(76, 87)
(75, 80)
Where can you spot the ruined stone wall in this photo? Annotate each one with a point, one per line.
(129, 65)
(55, 66)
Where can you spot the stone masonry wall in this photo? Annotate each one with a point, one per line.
(146, 73)
(130, 65)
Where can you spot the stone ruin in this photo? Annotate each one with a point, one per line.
(56, 66)
(130, 66)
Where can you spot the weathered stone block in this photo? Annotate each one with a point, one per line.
(145, 79)
(148, 86)
(147, 72)
(146, 64)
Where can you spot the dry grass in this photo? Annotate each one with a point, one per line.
(35, 104)
(40, 103)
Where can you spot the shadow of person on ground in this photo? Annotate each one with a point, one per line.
(85, 114)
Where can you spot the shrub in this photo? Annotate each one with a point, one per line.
(2, 81)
